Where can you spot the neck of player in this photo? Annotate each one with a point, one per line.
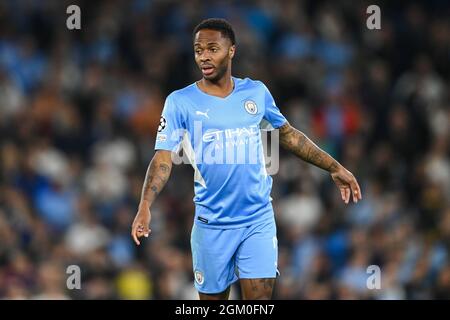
(222, 87)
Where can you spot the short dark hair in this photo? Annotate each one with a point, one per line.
(217, 24)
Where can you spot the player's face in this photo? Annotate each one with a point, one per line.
(213, 53)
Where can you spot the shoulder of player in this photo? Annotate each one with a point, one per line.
(179, 97)
(252, 83)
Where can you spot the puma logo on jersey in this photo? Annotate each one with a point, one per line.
(203, 113)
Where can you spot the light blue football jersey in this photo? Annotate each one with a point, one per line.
(221, 137)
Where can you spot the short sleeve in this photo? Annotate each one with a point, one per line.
(273, 118)
(171, 126)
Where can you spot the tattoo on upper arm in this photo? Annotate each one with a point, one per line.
(267, 283)
(254, 284)
(258, 284)
(164, 167)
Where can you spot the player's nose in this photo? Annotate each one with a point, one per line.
(205, 56)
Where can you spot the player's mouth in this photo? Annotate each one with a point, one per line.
(207, 70)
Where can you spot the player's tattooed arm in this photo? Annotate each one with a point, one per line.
(158, 173)
(299, 144)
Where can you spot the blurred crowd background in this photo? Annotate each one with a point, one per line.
(78, 117)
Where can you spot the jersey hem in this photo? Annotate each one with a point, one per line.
(238, 226)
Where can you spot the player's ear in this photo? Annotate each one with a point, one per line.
(231, 51)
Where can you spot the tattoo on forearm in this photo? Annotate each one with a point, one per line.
(157, 175)
(299, 144)
(155, 190)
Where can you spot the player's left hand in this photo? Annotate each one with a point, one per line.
(347, 184)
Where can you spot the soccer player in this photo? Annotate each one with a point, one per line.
(217, 122)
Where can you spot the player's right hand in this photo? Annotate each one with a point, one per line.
(141, 223)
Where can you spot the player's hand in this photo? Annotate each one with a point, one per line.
(347, 184)
(141, 223)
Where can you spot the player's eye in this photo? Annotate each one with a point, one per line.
(214, 50)
(198, 51)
